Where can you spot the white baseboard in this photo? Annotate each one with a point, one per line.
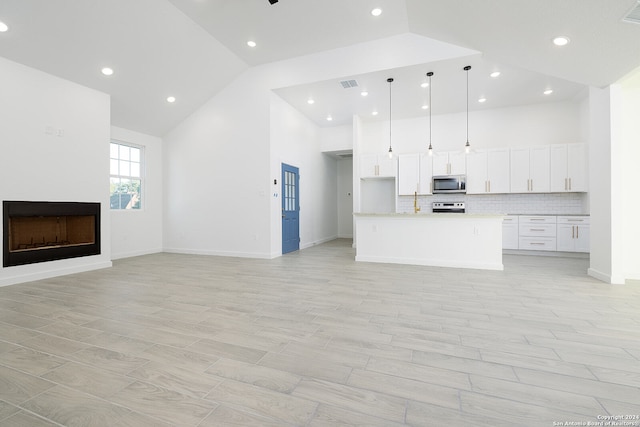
(135, 253)
(318, 242)
(607, 278)
(184, 251)
(345, 236)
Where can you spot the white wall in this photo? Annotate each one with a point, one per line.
(218, 182)
(295, 140)
(336, 139)
(138, 232)
(54, 145)
(537, 124)
(602, 181)
(629, 164)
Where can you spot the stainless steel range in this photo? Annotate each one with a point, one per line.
(448, 207)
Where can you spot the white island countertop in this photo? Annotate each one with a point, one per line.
(436, 239)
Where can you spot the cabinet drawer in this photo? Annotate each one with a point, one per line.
(540, 219)
(537, 243)
(573, 220)
(545, 230)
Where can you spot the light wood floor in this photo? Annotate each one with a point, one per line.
(316, 339)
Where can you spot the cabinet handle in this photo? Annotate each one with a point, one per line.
(536, 243)
(573, 231)
(566, 187)
(536, 229)
(536, 219)
(489, 186)
(569, 183)
(577, 232)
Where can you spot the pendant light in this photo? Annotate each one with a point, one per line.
(390, 80)
(430, 151)
(467, 146)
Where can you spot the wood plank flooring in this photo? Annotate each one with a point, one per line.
(315, 339)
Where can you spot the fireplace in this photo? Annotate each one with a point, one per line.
(48, 231)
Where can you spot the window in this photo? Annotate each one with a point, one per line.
(126, 176)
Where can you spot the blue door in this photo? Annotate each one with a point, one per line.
(290, 209)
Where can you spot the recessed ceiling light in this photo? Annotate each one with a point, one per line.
(425, 107)
(495, 74)
(374, 113)
(3, 27)
(107, 71)
(310, 101)
(548, 92)
(376, 12)
(171, 99)
(364, 93)
(424, 84)
(482, 100)
(561, 40)
(329, 118)
(251, 43)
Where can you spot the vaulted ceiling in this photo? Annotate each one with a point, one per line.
(191, 49)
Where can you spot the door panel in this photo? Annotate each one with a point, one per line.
(290, 209)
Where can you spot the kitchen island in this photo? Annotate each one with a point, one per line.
(438, 239)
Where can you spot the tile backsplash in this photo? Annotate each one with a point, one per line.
(534, 204)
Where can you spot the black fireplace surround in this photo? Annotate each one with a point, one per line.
(48, 231)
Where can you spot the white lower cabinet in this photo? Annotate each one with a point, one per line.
(569, 233)
(537, 233)
(510, 232)
(573, 234)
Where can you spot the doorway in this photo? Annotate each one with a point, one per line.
(290, 208)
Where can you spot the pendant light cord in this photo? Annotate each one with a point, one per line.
(390, 80)
(467, 69)
(430, 87)
(467, 146)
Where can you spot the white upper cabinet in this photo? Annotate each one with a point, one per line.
(530, 170)
(449, 163)
(488, 171)
(568, 168)
(377, 166)
(408, 174)
(414, 174)
(426, 174)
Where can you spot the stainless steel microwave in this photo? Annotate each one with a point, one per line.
(449, 184)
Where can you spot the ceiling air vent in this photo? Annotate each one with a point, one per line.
(634, 15)
(346, 84)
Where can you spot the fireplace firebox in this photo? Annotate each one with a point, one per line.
(48, 231)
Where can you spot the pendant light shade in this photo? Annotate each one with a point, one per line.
(430, 150)
(467, 146)
(390, 80)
